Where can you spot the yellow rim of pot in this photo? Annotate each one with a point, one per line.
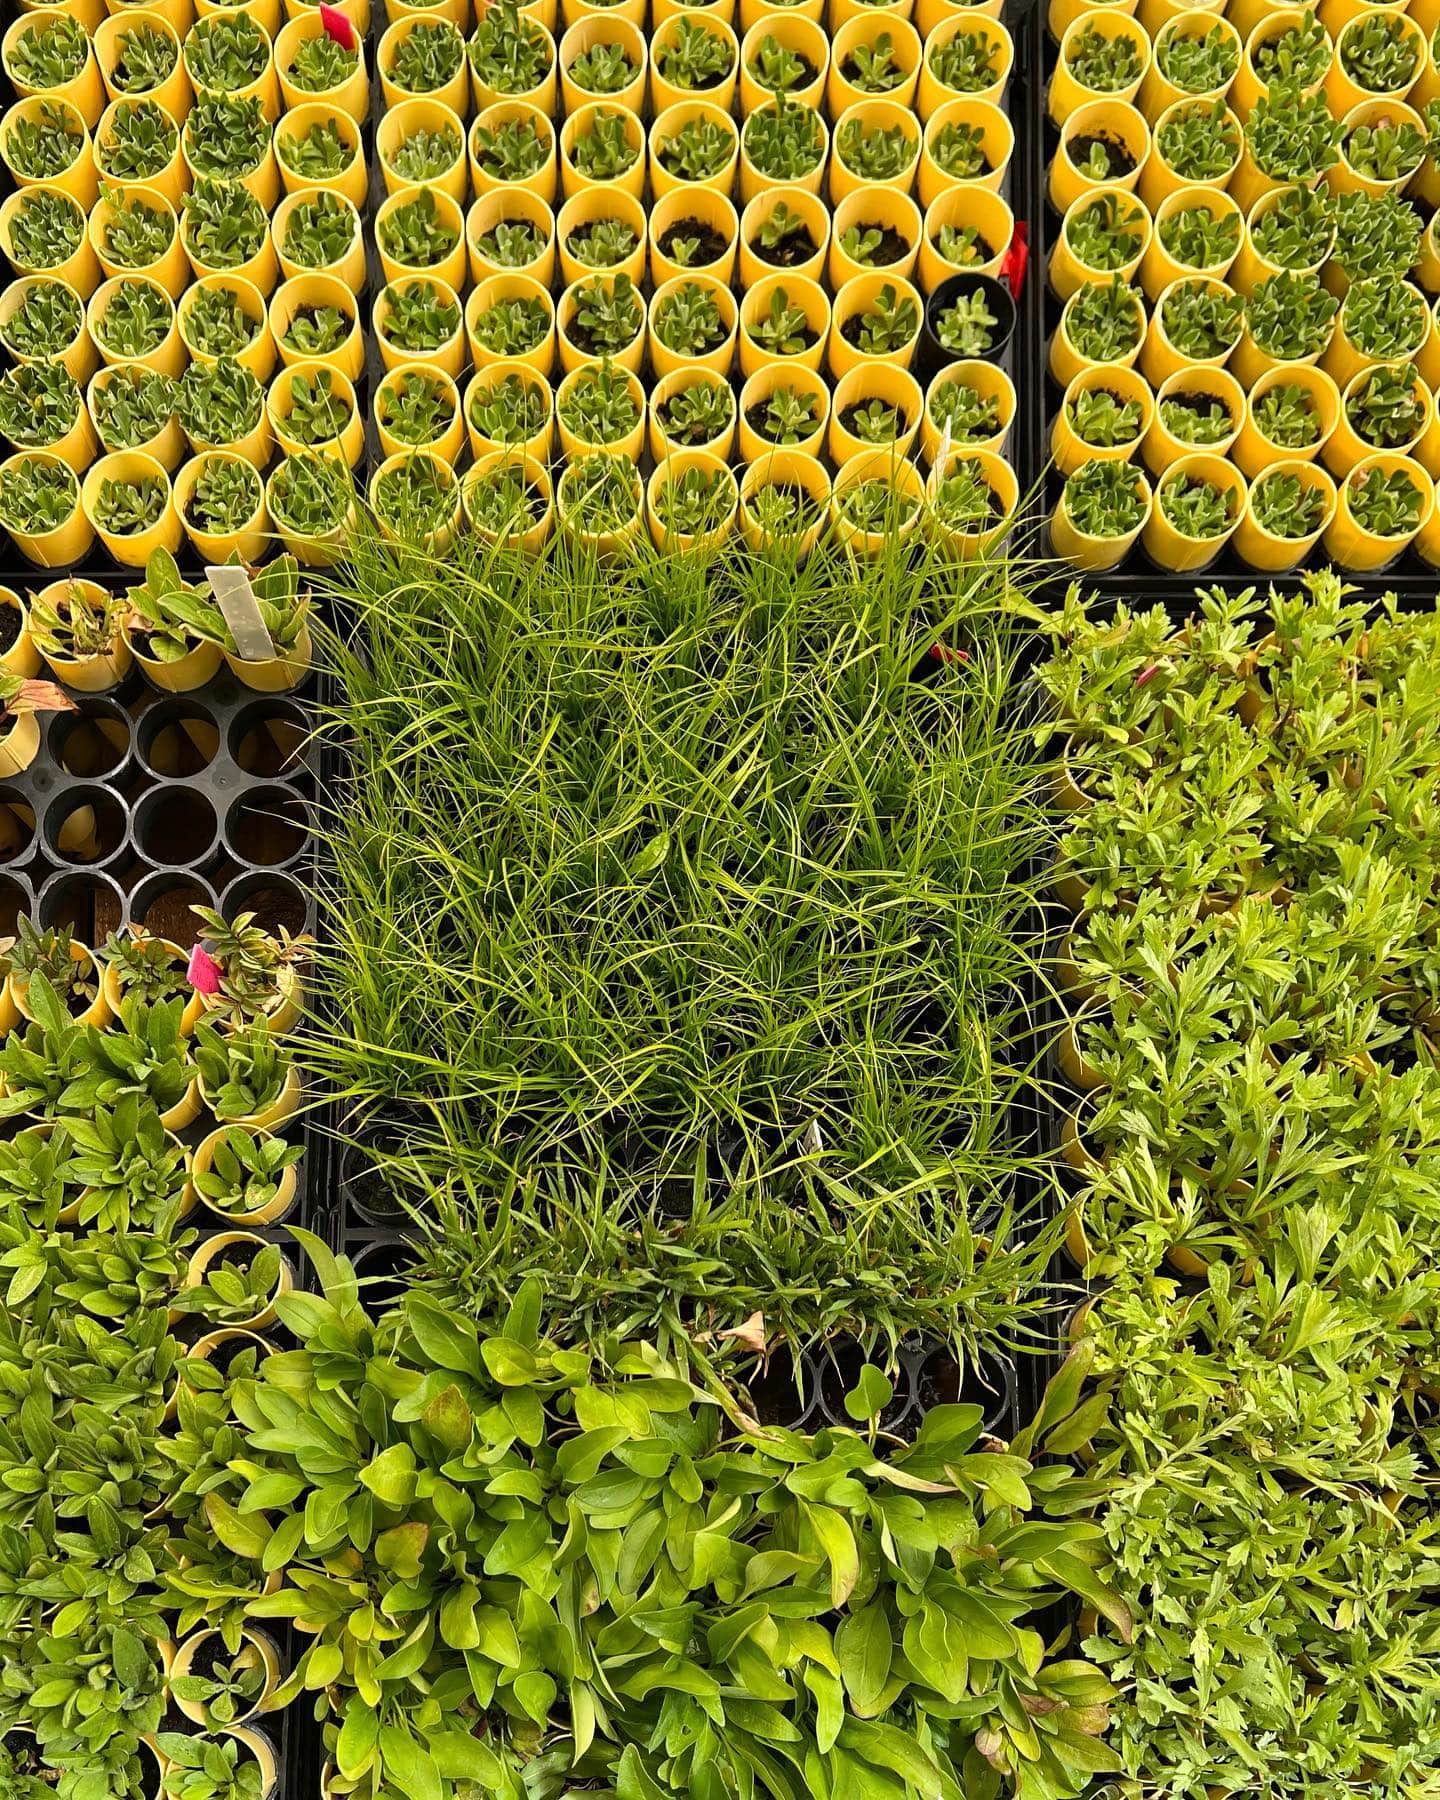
(806, 204)
(585, 209)
(353, 181)
(252, 540)
(131, 551)
(545, 180)
(706, 207)
(400, 123)
(671, 469)
(800, 291)
(1070, 451)
(786, 468)
(451, 356)
(1162, 448)
(875, 381)
(632, 180)
(759, 387)
(680, 381)
(1066, 92)
(492, 375)
(988, 380)
(888, 208)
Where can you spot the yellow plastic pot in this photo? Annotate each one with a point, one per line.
(840, 12)
(1427, 358)
(21, 658)
(663, 91)
(440, 539)
(1159, 269)
(1342, 177)
(697, 205)
(573, 444)
(1249, 268)
(876, 381)
(259, 354)
(510, 287)
(959, 207)
(572, 356)
(263, 181)
(503, 207)
(80, 271)
(353, 181)
(879, 465)
(1111, 121)
(754, 180)
(605, 543)
(998, 145)
(171, 269)
(400, 123)
(1066, 361)
(168, 358)
(1060, 15)
(582, 37)
(79, 180)
(796, 291)
(251, 541)
(581, 123)
(670, 122)
(1351, 544)
(545, 181)
(268, 14)
(260, 270)
(1345, 448)
(265, 88)
(451, 440)
(545, 91)
(68, 541)
(212, 1249)
(313, 552)
(1248, 89)
(493, 375)
(350, 269)
(454, 94)
(1161, 447)
(991, 383)
(785, 468)
(1262, 549)
(804, 205)
(887, 208)
(173, 93)
(869, 117)
(131, 465)
(931, 92)
(352, 95)
(79, 356)
(1341, 88)
(1170, 548)
(1070, 451)
(1158, 179)
(451, 356)
(103, 669)
(1157, 91)
(167, 446)
(173, 181)
(863, 33)
(1065, 92)
(534, 473)
(856, 297)
(1095, 554)
(680, 381)
(1253, 452)
(664, 360)
(349, 444)
(1342, 359)
(579, 211)
(965, 545)
(758, 390)
(78, 445)
(302, 291)
(1159, 358)
(802, 37)
(673, 469)
(85, 92)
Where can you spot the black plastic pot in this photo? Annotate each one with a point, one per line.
(931, 356)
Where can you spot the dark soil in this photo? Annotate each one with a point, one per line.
(9, 626)
(579, 335)
(798, 248)
(850, 330)
(848, 415)
(892, 245)
(755, 419)
(1121, 161)
(712, 244)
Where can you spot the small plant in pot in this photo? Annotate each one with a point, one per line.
(961, 410)
(606, 315)
(1102, 419)
(416, 234)
(503, 503)
(220, 1686)
(788, 415)
(246, 1076)
(317, 330)
(219, 403)
(511, 244)
(1106, 233)
(877, 507)
(1299, 55)
(688, 320)
(70, 972)
(217, 325)
(885, 152)
(131, 406)
(1103, 64)
(691, 243)
(140, 970)
(1197, 238)
(1292, 136)
(1198, 419)
(310, 497)
(1290, 318)
(874, 421)
(1376, 235)
(783, 329)
(322, 64)
(1386, 151)
(134, 234)
(599, 405)
(50, 54)
(416, 407)
(1387, 409)
(600, 495)
(1201, 322)
(695, 503)
(226, 55)
(171, 624)
(782, 511)
(427, 58)
(37, 496)
(1296, 233)
(964, 500)
(512, 327)
(416, 497)
(40, 404)
(46, 323)
(1378, 54)
(1200, 142)
(227, 139)
(968, 316)
(874, 246)
(874, 68)
(698, 151)
(1385, 320)
(1286, 507)
(967, 63)
(698, 414)
(779, 69)
(136, 320)
(603, 69)
(317, 414)
(693, 59)
(1198, 509)
(1104, 500)
(237, 1288)
(510, 411)
(224, 225)
(79, 624)
(42, 147)
(513, 150)
(1387, 504)
(602, 243)
(605, 150)
(128, 506)
(130, 1170)
(418, 319)
(784, 239)
(1285, 415)
(322, 153)
(1104, 321)
(887, 327)
(783, 141)
(1203, 63)
(247, 1179)
(225, 498)
(321, 230)
(508, 51)
(148, 58)
(257, 973)
(47, 229)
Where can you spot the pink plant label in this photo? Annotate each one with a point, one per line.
(338, 27)
(203, 973)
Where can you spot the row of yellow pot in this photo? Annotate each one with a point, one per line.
(1244, 15)
(1348, 542)
(826, 431)
(794, 470)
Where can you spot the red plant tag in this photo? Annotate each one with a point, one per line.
(1016, 259)
(945, 653)
(338, 27)
(1147, 674)
(203, 974)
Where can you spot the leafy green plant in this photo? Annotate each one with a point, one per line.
(960, 151)
(1297, 54)
(1386, 504)
(49, 53)
(963, 498)
(46, 230)
(1386, 321)
(242, 1074)
(148, 969)
(219, 403)
(512, 327)
(689, 321)
(784, 141)
(1199, 63)
(602, 243)
(1298, 231)
(874, 68)
(603, 69)
(427, 57)
(146, 59)
(415, 408)
(43, 147)
(125, 508)
(967, 325)
(228, 138)
(315, 413)
(137, 318)
(967, 63)
(599, 492)
(225, 54)
(599, 405)
(695, 501)
(606, 315)
(223, 225)
(511, 410)
(1291, 135)
(36, 495)
(39, 404)
(1103, 419)
(697, 151)
(417, 319)
(1379, 54)
(1200, 320)
(127, 1168)
(1285, 415)
(135, 235)
(1105, 64)
(873, 421)
(1106, 233)
(426, 155)
(693, 58)
(1388, 409)
(788, 415)
(502, 503)
(322, 153)
(968, 415)
(1286, 506)
(416, 497)
(513, 150)
(885, 326)
(1198, 238)
(226, 496)
(320, 64)
(45, 323)
(310, 495)
(1291, 317)
(779, 69)
(783, 329)
(78, 621)
(246, 1169)
(606, 149)
(781, 510)
(217, 324)
(698, 412)
(237, 1285)
(322, 228)
(75, 981)
(1199, 141)
(1385, 152)
(231, 1686)
(1198, 419)
(1105, 499)
(783, 238)
(1197, 508)
(1105, 320)
(508, 51)
(1375, 235)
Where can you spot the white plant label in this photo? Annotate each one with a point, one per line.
(241, 610)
